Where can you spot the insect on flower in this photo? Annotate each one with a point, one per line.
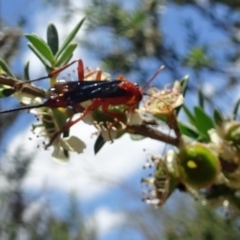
(102, 93)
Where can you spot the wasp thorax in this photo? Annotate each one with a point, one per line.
(198, 165)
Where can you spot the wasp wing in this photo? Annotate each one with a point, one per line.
(69, 93)
(77, 92)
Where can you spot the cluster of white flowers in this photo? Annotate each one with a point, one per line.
(53, 120)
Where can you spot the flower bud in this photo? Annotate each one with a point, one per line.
(233, 133)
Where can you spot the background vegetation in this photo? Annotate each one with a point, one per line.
(200, 38)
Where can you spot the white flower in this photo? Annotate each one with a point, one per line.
(27, 99)
(214, 137)
(163, 102)
(134, 118)
(224, 149)
(109, 134)
(50, 126)
(71, 143)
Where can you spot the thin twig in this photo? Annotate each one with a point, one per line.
(25, 88)
(153, 133)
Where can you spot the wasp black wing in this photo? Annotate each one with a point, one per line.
(69, 93)
(77, 92)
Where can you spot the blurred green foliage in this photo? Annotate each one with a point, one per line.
(135, 37)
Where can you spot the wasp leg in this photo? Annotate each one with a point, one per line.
(115, 116)
(70, 123)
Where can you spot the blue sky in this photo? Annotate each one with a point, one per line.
(110, 181)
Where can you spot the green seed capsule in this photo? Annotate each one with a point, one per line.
(198, 165)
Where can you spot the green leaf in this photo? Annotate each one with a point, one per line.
(5, 68)
(52, 38)
(203, 121)
(188, 130)
(66, 134)
(136, 137)
(1, 92)
(67, 53)
(190, 116)
(200, 98)
(99, 144)
(69, 38)
(162, 118)
(218, 117)
(7, 92)
(26, 71)
(235, 109)
(67, 60)
(42, 47)
(45, 63)
(60, 117)
(184, 85)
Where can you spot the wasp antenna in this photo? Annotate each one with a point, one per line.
(56, 72)
(37, 79)
(22, 108)
(152, 78)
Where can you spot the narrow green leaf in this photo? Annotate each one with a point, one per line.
(60, 119)
(65, 152)
(1, 92)
(45, 63)
(66, 133)
(52, 38)
(66, 54)
(7, 92)
(190, 116)
(42, 47)
(203, 121)
(188, 130)
(69, 38)
(26, 71)
(99, 144)
(184, 84)
(5, 68)
(218, 117)
(200, 98)
(67, 60)
(235, 109)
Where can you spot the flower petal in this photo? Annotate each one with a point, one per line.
(109, 135)
(59, 156)
(27, 98)
(135, 119)
(73, 144)
(215, 138)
